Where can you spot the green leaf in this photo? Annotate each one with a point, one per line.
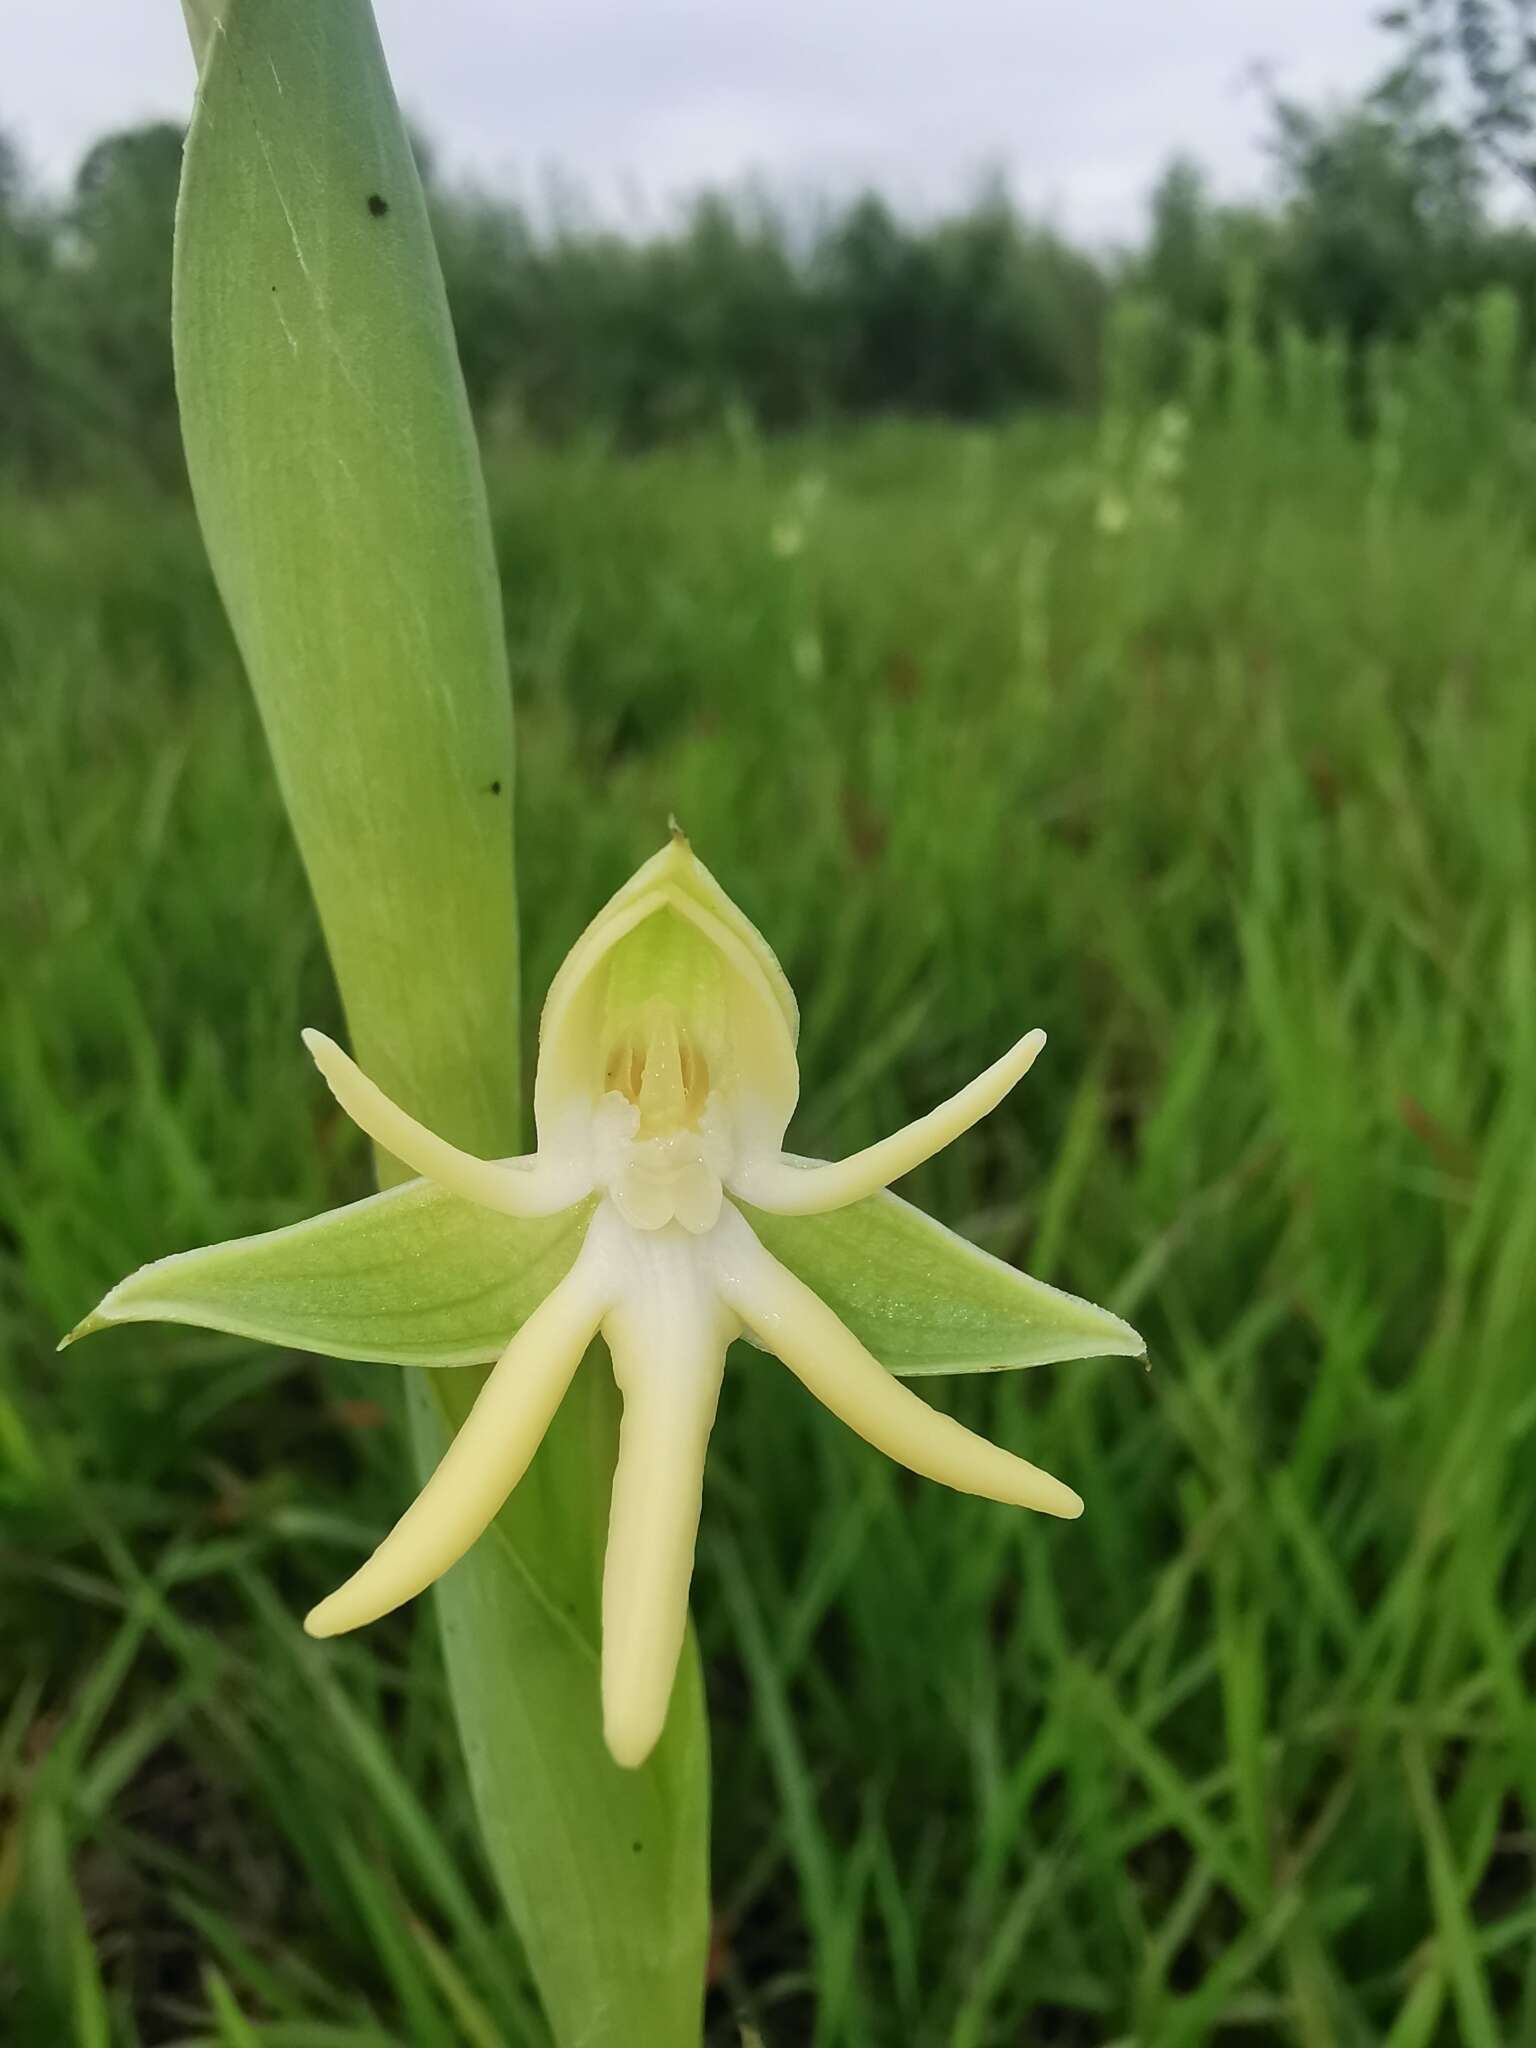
(338, 489)
(337, 483)
(925, 1301)
(201, 17)
(412, 1277)
(55, 1988)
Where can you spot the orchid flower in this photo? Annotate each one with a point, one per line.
(661, 1212)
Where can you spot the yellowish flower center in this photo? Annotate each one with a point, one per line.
(657, 1066)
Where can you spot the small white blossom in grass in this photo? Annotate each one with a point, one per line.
(792, 529)
(660, 1211)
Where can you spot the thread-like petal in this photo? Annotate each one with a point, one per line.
(668, 1334)
(785, 1317)
(515, 1187)
(786, 1188)
(486, 1459)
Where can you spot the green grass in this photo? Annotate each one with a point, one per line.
(1240, 804)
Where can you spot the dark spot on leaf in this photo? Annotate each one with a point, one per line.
(493, 788)
(378, 205)
(635, 1847)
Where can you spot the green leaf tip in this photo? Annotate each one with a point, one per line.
(86, 1327)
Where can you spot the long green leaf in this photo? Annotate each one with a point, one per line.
(339, 494)
(336, 480)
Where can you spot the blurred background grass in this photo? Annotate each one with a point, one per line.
(1207, 744)
(1196, 725)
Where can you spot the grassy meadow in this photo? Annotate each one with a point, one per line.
(1210, 748)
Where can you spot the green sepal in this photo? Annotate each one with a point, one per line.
(412, 1277)
(926, 1301)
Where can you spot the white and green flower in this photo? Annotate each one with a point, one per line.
(660, 1212)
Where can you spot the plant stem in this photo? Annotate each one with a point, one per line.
(338, 487)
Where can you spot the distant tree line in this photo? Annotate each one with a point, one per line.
(1379, 228)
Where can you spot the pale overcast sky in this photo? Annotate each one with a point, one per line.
(1078, 101)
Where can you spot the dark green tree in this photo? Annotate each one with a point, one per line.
(1381, 218)
(1471, 64)
(114, 276)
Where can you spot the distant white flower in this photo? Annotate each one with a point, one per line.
(1113, 515)
(791, 530)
